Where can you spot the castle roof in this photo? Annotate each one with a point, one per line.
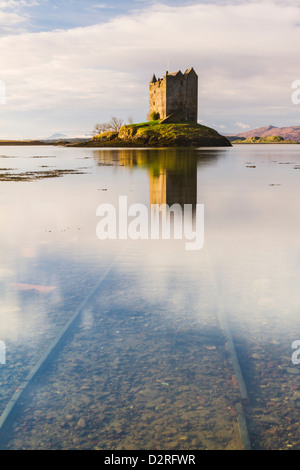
(175, 74)
(189, 71)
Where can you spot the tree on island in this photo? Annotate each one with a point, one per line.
(114, 125)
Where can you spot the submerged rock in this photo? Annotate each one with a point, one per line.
(81, 423)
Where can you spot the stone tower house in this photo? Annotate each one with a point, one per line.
(175, 97)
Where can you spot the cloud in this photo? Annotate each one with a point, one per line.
(12, 22)
(242, 125)
(101, 6)
(244, 53)
(7, 4)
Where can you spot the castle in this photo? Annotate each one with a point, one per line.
(175, 96)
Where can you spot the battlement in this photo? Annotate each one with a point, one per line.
(175, 96)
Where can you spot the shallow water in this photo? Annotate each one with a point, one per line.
(149, 365)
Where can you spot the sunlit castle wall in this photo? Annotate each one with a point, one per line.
(175, 93)
(158, 97)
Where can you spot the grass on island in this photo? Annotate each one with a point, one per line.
(173, 128)
(154, 129)
(272, 139)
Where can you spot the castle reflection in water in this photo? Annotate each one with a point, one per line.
(172, 172)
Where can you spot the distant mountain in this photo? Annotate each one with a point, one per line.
(288, 133)
(56, 137)
(63, 137)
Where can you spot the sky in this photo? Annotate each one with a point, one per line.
(67, 65)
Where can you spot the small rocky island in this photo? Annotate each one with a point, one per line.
(155, 134)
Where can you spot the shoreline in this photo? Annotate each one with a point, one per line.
(265, 143)
(13, 143)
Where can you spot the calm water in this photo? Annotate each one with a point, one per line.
(165, 338)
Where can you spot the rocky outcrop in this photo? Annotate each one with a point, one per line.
(155, 134)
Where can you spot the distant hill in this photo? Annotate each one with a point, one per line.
(274, 139)
(57, 137)
(288, 133)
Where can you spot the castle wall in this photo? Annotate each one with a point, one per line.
(192, 97)
(158, 98)
(175, 92)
